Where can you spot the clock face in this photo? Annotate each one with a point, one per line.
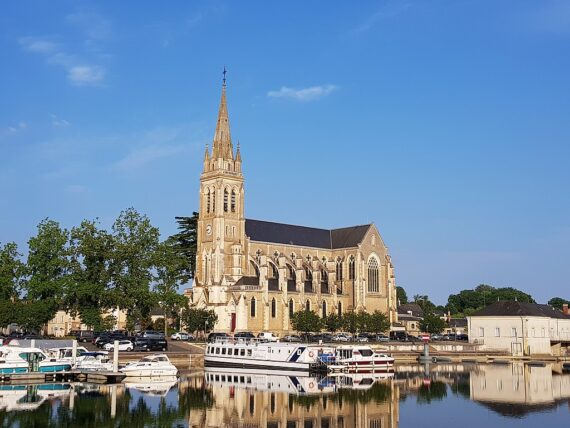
(209, 229)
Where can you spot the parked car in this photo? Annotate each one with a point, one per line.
(291, 338)
(213, 336)
(342, 337)
(324, 337)
(400, 336)
(381, 338)
(103, 340)
(145, 344)
(268, 336)
(436, 337)
(362, 337)
(462, 337)
(124, 345)
(180, 336)
(244, 335)
(84, 336)
(151, 334)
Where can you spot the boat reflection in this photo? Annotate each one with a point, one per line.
(157, 386)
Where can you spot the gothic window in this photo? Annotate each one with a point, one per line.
(308, 274)
(291, 308)
(351, 268)
(373, 276)
(308, 305)
(233, 201)
(324, 309)
(273, 308)
(291, 273)
(252, 307)
(226, 200)
(324, 281)
(214, 201)
(339, 309)
(339, 269)
(273, 272)
(208, 200)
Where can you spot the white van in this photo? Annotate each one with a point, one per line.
(268, 336)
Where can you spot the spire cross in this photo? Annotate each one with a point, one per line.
(224, 73)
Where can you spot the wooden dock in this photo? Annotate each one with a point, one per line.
(69, 376)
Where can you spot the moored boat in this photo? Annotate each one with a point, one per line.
(153, 365)
(360, 358)
(19, 359)
(94, 362)
(285, 358)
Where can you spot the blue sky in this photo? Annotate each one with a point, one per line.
(446, 123)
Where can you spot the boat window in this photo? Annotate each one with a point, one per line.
(224, 351)
(217, 351)
(366, 352)
(249, 352)
(242, 352)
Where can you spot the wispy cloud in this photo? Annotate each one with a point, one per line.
(38, 45)
(390, 9)
(143, 156)
(21, 126)
(59, 123)
(305, 94)
(81, 75)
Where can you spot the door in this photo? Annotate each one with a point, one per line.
(516, 349)
(233, 322)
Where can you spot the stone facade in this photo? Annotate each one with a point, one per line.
(254, 274)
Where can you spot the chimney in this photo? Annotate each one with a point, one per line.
(565, 308)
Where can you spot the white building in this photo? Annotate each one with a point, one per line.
(521, 328)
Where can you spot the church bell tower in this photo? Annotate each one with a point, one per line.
(221, 223)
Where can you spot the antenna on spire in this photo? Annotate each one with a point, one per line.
(224, 73)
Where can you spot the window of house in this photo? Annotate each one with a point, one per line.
(482, 331)
(514, 332)
(497, 332)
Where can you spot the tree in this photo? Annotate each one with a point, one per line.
(198, 319)
(401, 296)
(469, 301)
(88, 294)
(12, 272)
(558, 302)
(377, 322)
(133, 261)
(48, 267)
(169, 263)
(432, 323)
(333, 322)
(424, 302)
(350, 322)
(186, 245)
(306, 322)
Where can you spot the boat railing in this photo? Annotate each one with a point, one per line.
(240, 340)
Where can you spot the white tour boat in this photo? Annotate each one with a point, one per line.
(66, 353)
(20, 359)
(153, 365)
(360, 358)
(284, 358)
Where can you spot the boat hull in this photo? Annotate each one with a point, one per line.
(265, 365)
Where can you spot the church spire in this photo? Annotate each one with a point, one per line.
(222, 145)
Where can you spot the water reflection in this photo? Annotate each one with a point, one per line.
(217, 399)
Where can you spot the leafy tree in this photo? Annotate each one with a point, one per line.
(469, 301)
(133, 261)
(333, 322)
(34, 315)
(401, 295)
(48, 267)
(199, 319)
(377, 322)
(432, 323)
(350, 322)
(9, 311)
(558, 302)
(306, 322)
(186, 245)
(169, 263)
(12, 272)
(424, 302)
(88, 295)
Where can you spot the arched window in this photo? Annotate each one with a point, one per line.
(339, 269)
(208, 200)
(225, 200)
(351, 268)
(373, 276)
(214, 200)
(339, 309)
(252, 307)
(273, 277)
(273, 308)
(273, 272)
(291, 308)
(324, 281)
(308, 305)
(291, 279)
(308, 280)
(324, 309)
(233, 201)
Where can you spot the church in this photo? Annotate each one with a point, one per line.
(255, 274)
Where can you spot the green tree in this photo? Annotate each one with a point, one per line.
(469, 301)
(186, 245)
(196, 320)
(169, 263)
(333, 322)
(133, 260)
(350, 322)
(558, 302)
(377, 322)
(12, 272)
(88, 294)
(48, 267)
(424, 302)
(401, 295)
(432, 323)
(306, 322)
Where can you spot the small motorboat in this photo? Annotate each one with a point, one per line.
(94, 362)
(153, 365)
(20, 359)
(360, 358)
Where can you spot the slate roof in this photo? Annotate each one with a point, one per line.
(280, 233)
(506, 308)
(414, 308)
(458, 322)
